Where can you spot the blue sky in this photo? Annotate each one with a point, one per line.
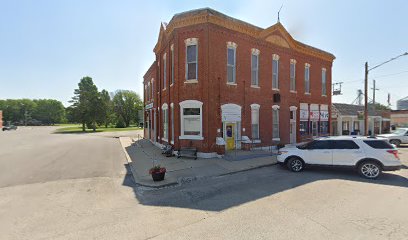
(47, 46)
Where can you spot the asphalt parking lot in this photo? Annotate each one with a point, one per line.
(76, 187)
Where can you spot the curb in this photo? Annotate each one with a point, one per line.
(179, 181)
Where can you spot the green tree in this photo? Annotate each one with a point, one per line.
(106, 108)
(48, 111)
(126, 103)
(86, 103)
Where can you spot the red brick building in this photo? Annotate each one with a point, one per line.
(218, 80)
(1, 119)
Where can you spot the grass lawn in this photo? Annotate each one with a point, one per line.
(77, 128)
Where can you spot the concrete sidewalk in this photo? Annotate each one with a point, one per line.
(142, 155)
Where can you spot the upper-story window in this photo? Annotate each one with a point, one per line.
(172, 64)
(191, 59)
(275, 71)
(231, 62)
(307, 78)
(152, 92)
(255, 67)
(324, 84)
(293, 75)
(164, 70)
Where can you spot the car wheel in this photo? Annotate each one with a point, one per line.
(396, 142)
(295, 164)
(369, 169)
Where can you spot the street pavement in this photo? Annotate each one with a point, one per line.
(266, 203)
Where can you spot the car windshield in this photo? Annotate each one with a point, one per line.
(399, 131)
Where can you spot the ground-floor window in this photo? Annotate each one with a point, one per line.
(304, 128)
(255, 121)
(275, 123)
(324, 127)
(172, 123)
(165, 115)
(191, 119)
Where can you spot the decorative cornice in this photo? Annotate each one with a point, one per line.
(276, 34)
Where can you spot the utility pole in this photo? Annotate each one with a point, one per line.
(366, 100)
(374, 89)
(366, 88)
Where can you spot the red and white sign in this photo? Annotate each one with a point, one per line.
(314, 115)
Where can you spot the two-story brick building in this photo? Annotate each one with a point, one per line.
(219, 80)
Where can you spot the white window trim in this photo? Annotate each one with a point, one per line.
(190, 42)
(307, 65)
(233, 46)
(276, 108)
(172, 123)
(164, 71)
(325, 82)
(191, 104)
(292, 61)
(165, 107)
(255, 52)
(275, 57)
(172, 66)
(256, 107)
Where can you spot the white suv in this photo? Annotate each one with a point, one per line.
(370, 156)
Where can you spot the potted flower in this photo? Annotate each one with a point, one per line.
(157, 173)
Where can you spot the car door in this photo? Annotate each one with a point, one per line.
(346, 152)
(319, 152)
(405, 137)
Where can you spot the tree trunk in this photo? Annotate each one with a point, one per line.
(83, 127)
(94, 126)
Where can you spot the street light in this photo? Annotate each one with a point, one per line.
(366, 89)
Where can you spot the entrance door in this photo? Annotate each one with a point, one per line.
(314, 128)
(292, 132)
(230, 135)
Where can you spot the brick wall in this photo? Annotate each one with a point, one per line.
(213, 90)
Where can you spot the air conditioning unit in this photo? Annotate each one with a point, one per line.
(276, 97)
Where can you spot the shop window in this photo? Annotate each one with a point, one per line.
(191, 119)
(324, 128)
(304, 128)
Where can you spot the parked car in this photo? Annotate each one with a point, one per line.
(9, 127)
(397, 137)
(368, 155)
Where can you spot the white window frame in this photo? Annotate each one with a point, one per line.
(152, 96)
(165, 115)
(172, 123)
(292, 82)
(191, 104)
(164, 71)
(172, 65)
(191, 42)
(255, 110)
(232, 46)
(255, 52)
(307, 78)
(275, 72)
(324, 82)
(275, 112)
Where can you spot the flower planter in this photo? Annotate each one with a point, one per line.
(158, 176)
